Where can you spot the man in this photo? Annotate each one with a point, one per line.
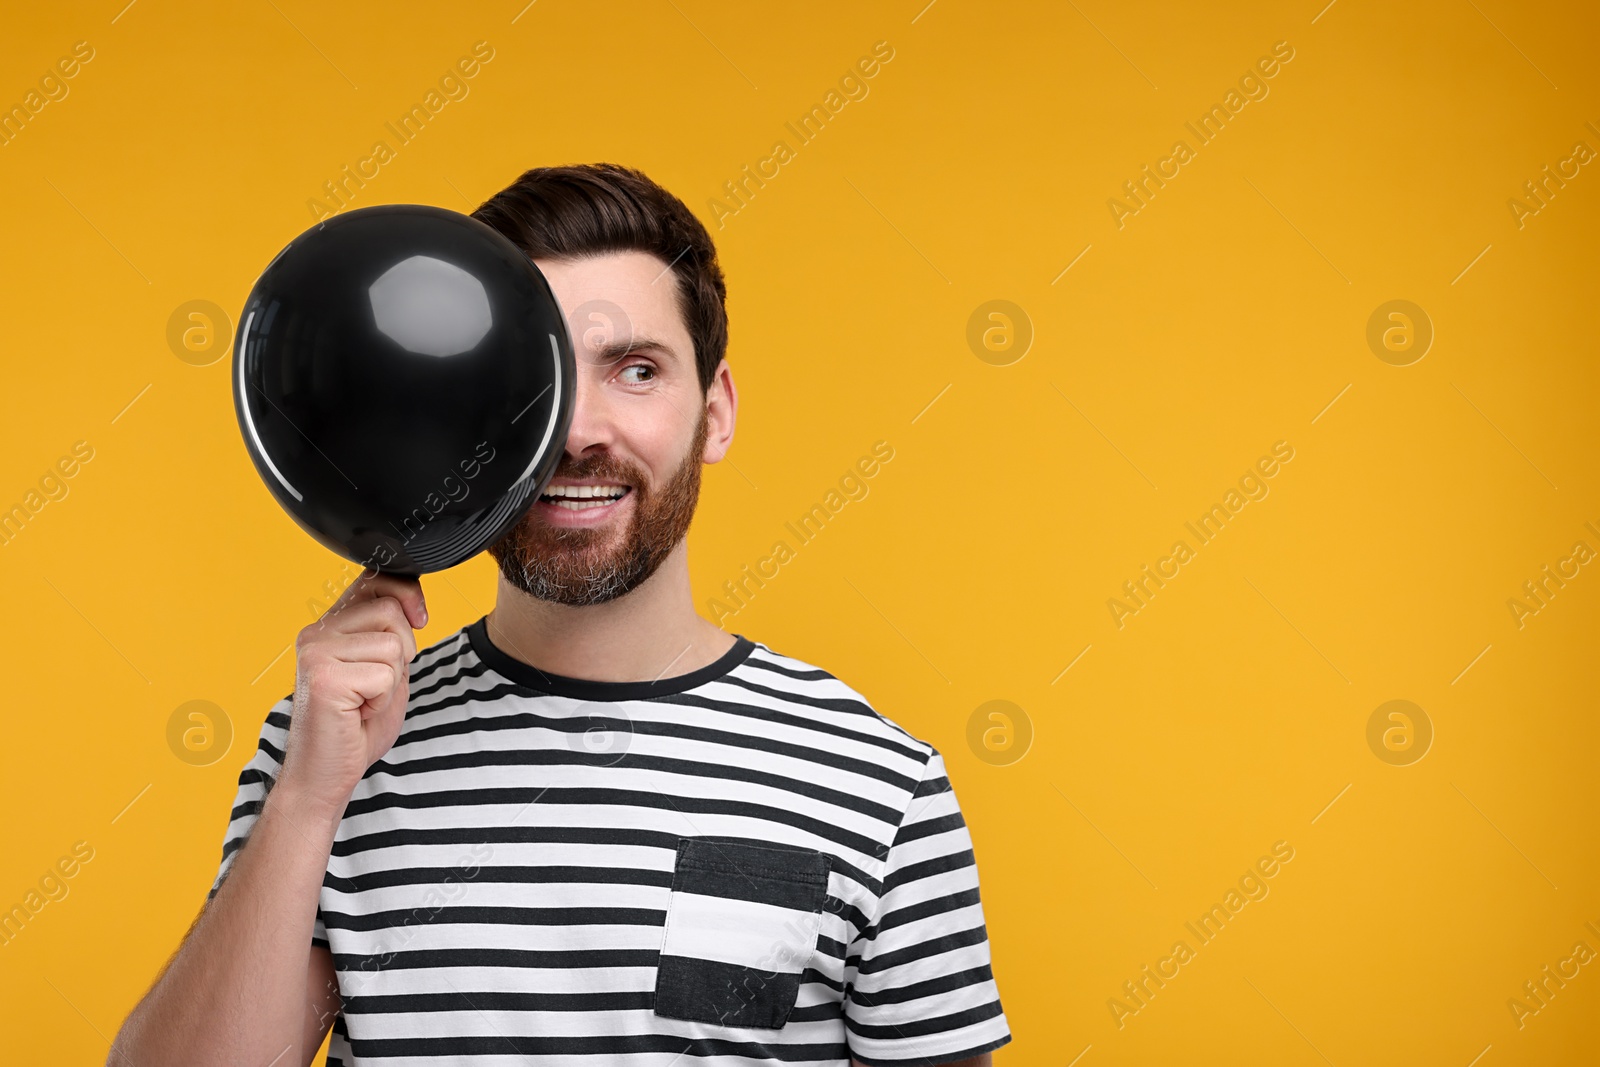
(590, 827)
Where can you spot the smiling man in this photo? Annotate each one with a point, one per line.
(591, 826)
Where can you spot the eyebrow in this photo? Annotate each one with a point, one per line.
(610, 353)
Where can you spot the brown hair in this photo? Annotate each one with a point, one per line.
(587, 209)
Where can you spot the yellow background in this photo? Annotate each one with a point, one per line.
(1228, 314)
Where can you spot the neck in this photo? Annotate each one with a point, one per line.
(651, 633)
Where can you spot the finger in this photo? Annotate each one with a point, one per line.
(372, 585)
(348, 686)
(368, 646)
(390, 710)
(399, 701)
(385, 614)
(360, 683)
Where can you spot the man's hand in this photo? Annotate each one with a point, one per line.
(351, 690)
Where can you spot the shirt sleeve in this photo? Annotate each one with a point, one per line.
(922, 991)
(255, 781)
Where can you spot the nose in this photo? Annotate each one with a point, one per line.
(593, 426)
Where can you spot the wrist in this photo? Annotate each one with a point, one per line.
(304, 808)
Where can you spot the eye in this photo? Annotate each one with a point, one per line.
(647, 368)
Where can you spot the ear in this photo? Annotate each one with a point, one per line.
(722, 409)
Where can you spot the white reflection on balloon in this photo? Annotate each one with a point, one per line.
(431, 307)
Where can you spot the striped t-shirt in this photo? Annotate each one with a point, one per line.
(742, 864)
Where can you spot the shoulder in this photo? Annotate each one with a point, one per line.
(770, 673)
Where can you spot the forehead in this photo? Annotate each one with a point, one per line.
(595, 287)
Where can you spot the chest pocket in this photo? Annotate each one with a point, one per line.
(742, 923)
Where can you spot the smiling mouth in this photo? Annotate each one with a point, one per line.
(584, 498)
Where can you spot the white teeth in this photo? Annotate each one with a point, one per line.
(584, 492)
(583, 497)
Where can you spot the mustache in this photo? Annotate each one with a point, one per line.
(602, 467)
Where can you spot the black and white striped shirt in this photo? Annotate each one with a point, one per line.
(742, 864)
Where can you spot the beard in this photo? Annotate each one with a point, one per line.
(578, 566)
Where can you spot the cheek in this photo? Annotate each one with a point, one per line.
(660, 447)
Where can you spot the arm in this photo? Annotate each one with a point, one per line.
(247, 974)
(985, 1060)
(248, 985)
(919, 985)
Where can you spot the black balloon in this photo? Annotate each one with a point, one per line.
(404, 382)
